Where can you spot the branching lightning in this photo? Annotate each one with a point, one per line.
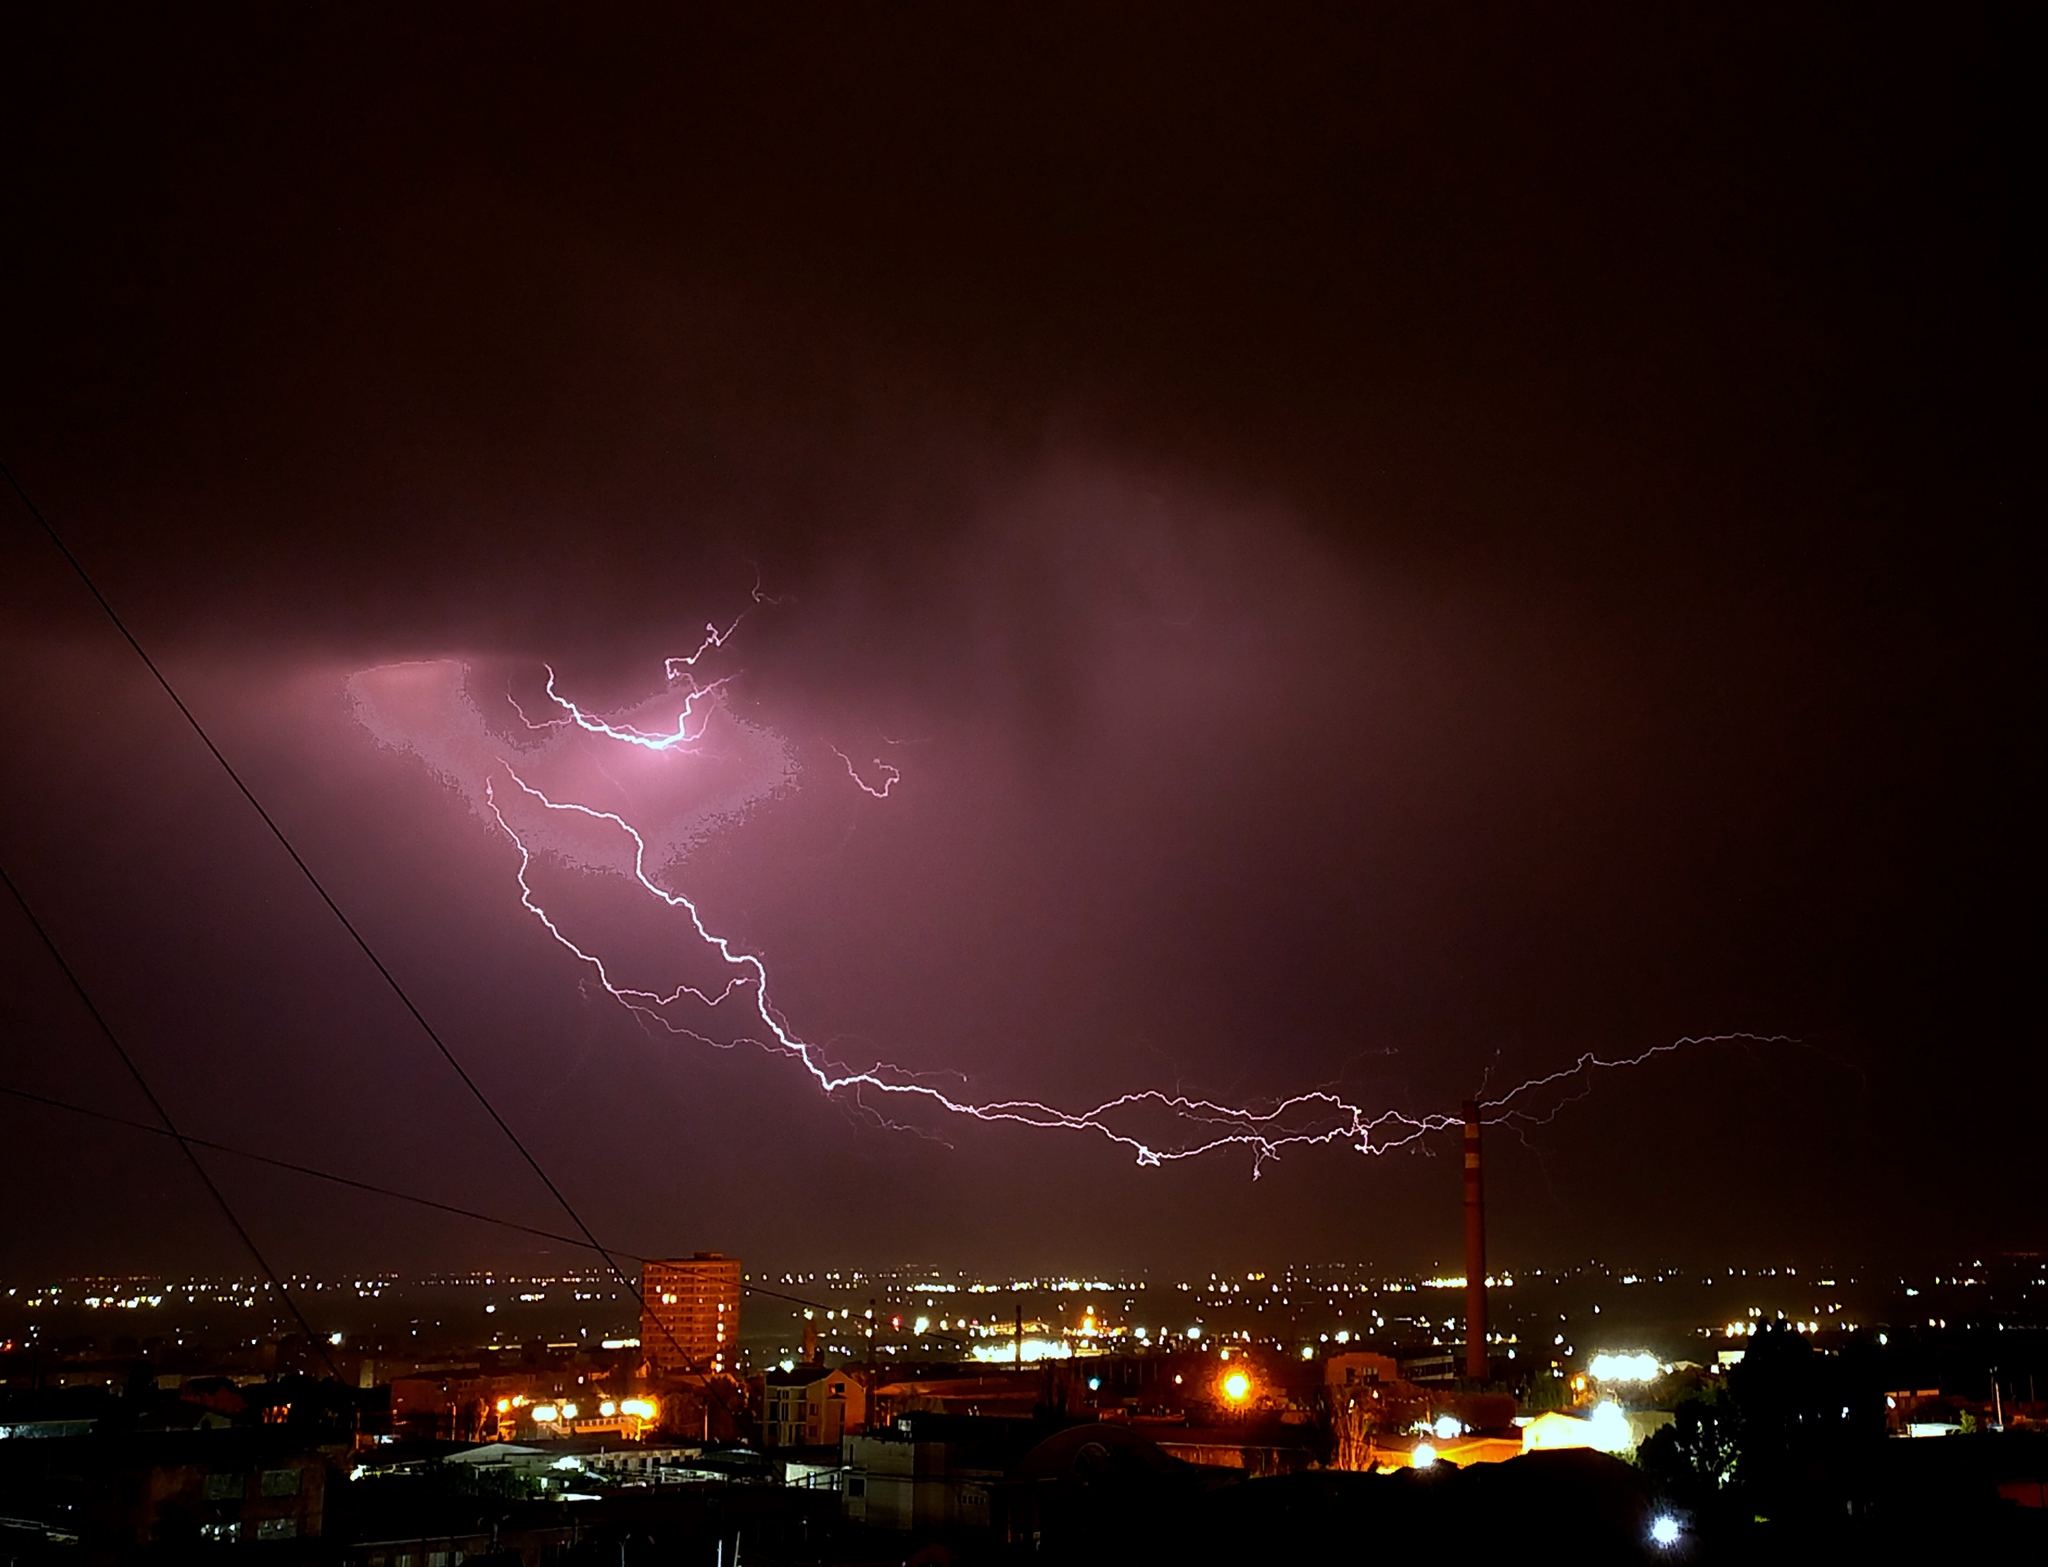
(629, 735)
(888, 783)
(1193, 1126)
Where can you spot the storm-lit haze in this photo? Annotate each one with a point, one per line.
(1375, 561)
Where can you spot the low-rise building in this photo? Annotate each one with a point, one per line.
(932, 1471)
(117, 1493)
(813, 1406)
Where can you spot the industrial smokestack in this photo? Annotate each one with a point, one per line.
(1477, 1367)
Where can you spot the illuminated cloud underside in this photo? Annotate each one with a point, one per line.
(650, 813)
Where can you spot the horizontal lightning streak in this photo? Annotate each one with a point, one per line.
(1317, 1118)
(641, 737)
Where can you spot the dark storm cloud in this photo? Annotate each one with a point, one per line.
(1384, 548)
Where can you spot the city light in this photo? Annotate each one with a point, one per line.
(1624, 1368)
(641, 1408)
(1664, 1531)
(1034, 1349)
(1423, 1456)
(1448, 1428)
(546, 1414)
(1611, 1431)
(1237, 1387)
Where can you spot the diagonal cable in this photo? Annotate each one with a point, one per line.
(348, 925)
(313, 1172)
(170, 1127)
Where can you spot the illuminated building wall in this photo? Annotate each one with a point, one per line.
(690, 1317)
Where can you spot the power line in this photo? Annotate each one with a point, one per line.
(348, 925)
(169, 1126)
(303, 1169)
(314, 1173)
(390, 979)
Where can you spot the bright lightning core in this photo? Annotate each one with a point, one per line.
(600, 794)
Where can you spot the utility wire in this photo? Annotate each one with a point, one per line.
(362, 1186)
(348, 925)
(302, 1169)
(277, 832)
(169, 1126)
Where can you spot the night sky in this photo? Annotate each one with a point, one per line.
(1390, 547)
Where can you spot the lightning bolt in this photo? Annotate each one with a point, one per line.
(679, 736)
(713, 637)
(1320, 1117)
(888, 783)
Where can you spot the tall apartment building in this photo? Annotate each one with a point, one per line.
(690, 1319)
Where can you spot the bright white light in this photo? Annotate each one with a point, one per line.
(1623, 1368)
(1308, 1352)
(1664, 1530)
(607, 1409)
(1611, 1432)
(334, 1338)
(1343, 1335)
(1194, 1332)
(1034, 1349)
(1423, 1456)
(1448, 1428)
(546, 1414)
(786, 1364)
(641, 1407)
(568, 1411)
(921, 1325)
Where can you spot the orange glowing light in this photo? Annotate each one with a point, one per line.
(504, 1406)
(1237, 1387)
